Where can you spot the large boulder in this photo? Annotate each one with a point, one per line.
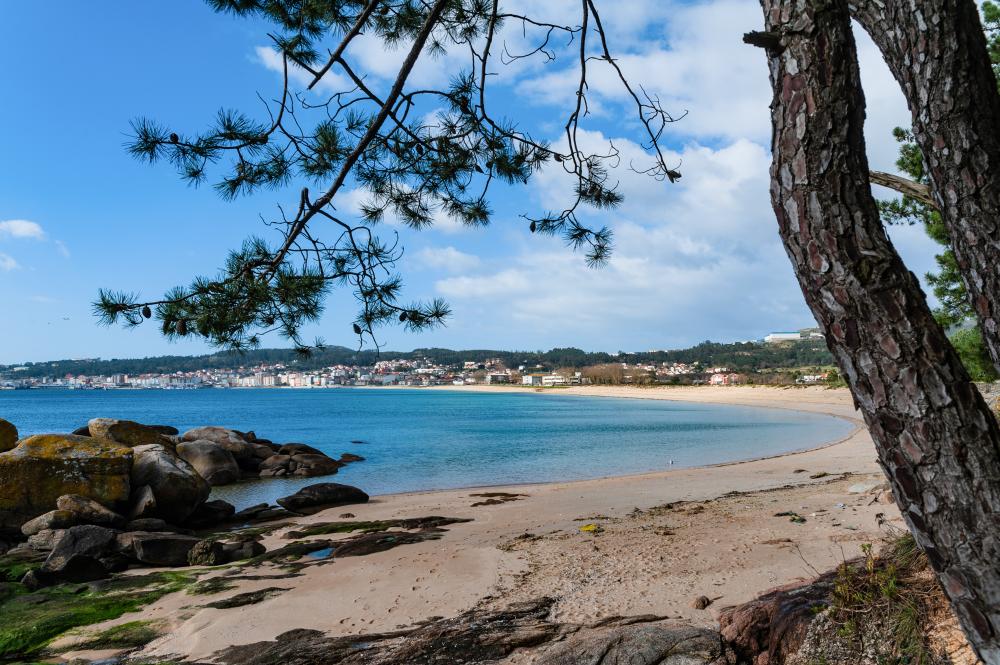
(314, 498)
(127, 432)
(210, 514)
(80, 554)
(8, 435)
(176, 486)
(212, 462)
(158, 548)
(229, 439)
(54, 519)
(88, 511)
(41, 468)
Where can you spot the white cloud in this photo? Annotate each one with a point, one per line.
(21, 228)
(62, 249)
(446, 259)
(272, 60)
(7, 263)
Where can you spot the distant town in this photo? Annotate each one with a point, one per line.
(751, 362)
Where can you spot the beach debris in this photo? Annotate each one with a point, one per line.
(821, 474)
(494, 498)
(346, 516)
(663, 531)
(701, 602)
(592, 528)
(799, 471)
(841, 505)
(777, 541)
(792, 516)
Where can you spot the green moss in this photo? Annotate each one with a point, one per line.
(124, 636)
(33, 619)
(15, 564)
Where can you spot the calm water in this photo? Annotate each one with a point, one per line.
(422, 440)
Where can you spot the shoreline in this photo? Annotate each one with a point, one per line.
(660, 539)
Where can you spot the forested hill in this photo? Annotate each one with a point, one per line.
(747, 356)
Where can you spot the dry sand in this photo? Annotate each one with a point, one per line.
(724, 542)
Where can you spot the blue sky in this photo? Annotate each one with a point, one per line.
(693, 261)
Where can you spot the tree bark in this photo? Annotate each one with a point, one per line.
(937, 440)
(936, 49)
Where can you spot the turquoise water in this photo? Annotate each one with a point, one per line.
(423, 439)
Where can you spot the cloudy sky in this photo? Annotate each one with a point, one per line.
(699, 259)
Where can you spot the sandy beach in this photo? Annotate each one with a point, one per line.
(651, 543)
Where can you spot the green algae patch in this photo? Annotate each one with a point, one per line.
(129, 635)
(211, 586)
(32, 619)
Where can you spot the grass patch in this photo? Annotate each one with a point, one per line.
(16, 563)
(129, 635)
(893, 588)
(33, 619)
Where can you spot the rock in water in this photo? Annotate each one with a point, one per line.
(8, 435)
(177, 487)
(300, 464)
(88, 511)
(314, 498)
(228, 439)
(41, 468)
(128, 432)
(212, 462)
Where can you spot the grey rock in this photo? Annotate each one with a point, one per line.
(88, 511)
(212, 462)
(54, 519)
(143, 503)
(162, 549)
(210, 514)
(177, 487)
(76, 549)
(314, 498)
(207, 553)
(228, 439)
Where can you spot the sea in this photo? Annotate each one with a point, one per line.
(414, 439)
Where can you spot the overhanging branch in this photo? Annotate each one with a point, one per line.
(914, 190)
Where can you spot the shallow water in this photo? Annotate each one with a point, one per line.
(429, 439)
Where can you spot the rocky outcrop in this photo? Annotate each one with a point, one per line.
(8, 435)
(481, 637)
(176, 487)
(207, 553)
(300, 464)
(212, 462)
(314, 498)
(128, 432)
(41, 468)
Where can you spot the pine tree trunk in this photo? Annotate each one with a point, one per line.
(936, 49)
(937, 440)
